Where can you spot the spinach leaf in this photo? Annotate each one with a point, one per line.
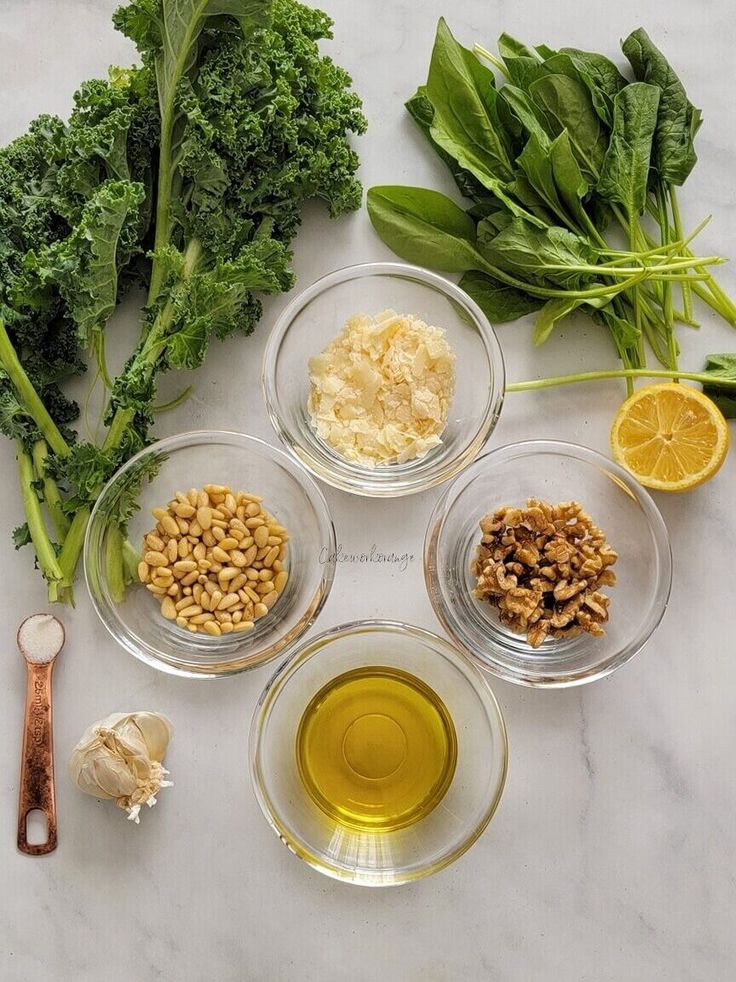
(465, 125)
(535, 161)
(552, 312)
(625, 174)
(599, 75)
(501, 304)
(569, 181)
(422, 112)
(523, 71)
(679, 120)
(424, 227)
(526, 251)
(722, 366)
(509, 47)
(567, 106)
(524, 109)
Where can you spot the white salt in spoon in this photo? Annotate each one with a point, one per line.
(40, 639)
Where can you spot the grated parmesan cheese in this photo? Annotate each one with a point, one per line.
(381, 390)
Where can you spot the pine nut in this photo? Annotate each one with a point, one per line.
(220, 555)
(243, 626)
(158, 513)
(226, 627)
(253, 523)
(213, 628)
(240, 580)
(260, 610)
(189, 578)
(270, 599)
(228, 573)
(251, 594)
(201, 618)
(218, 533)
(190, 611)
(204, 517)
(228, 600)
(144, 571)
(185, 566)
(271, 556)
(172, 550)
(168, 609)
(181, 621)
(261, 536)
(155, 558)
(170, 525)
(280, 580)
(184, 510)
(265, 587)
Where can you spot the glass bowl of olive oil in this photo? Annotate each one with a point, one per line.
(378, 753)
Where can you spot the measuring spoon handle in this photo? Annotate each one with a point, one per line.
(37, 761)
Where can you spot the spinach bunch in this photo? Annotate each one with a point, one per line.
(185, 176)
(560, 163)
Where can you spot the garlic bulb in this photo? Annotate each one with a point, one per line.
(120, 757)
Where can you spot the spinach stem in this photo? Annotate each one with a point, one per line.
(667, 308)
(478, 49)
(706, 378)
(663, 192)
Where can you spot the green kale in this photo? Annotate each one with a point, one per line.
(187, 176)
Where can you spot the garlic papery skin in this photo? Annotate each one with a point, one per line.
(121, 757)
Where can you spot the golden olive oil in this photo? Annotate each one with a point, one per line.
(376, 749)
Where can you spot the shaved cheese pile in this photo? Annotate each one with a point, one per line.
(381, 390)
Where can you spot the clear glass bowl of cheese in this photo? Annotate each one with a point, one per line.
(446, 441)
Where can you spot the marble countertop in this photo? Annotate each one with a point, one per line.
(611, 858)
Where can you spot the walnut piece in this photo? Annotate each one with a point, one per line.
(543, 566)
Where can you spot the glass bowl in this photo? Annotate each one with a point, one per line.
(555, 472)
(318, 314)
(379, 857)
(192, 460)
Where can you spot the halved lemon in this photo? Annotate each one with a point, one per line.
(671, 437)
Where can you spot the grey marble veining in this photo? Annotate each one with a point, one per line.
(611, 858)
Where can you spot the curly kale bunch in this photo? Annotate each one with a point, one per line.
(186, 176)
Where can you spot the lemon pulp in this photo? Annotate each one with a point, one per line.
(376, 749)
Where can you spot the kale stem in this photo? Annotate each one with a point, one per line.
(72, 548)
(706, 378)
(478, 49)
(28, 396)
(114, 571)
(45, 552)
(50, 489)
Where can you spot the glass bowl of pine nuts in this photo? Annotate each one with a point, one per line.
(209, 553)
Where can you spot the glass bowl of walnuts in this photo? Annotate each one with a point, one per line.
(548, 564)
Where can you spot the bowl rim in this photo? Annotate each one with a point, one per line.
(348, 478)
(288, 667)
(149, 654)
(525, 448)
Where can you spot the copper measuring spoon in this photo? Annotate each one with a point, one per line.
(40, 639)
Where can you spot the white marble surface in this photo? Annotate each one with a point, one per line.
(611, 858)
